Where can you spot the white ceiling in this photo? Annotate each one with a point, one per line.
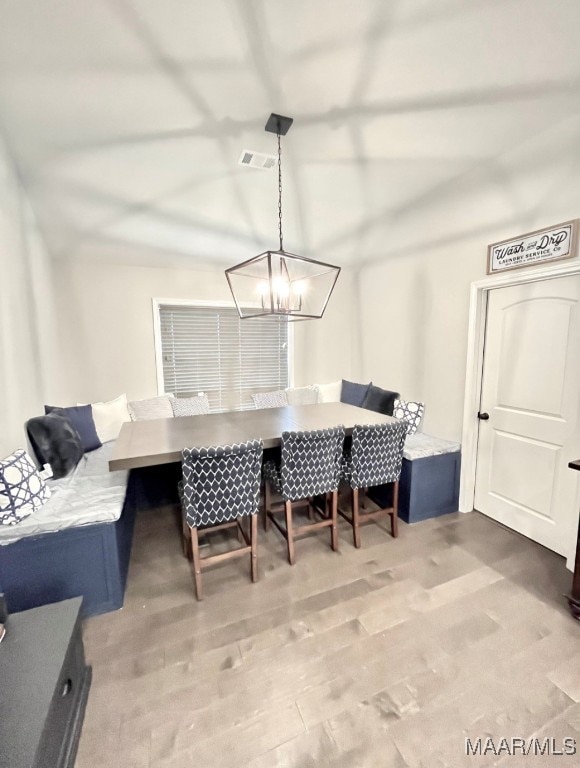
(127, 117)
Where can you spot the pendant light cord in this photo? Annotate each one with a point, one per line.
(280, 193)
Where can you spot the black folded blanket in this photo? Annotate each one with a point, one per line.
(56, 442)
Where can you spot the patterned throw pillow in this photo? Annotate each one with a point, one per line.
(411, 412)
(277, 399)
(153, 408)
(21, 488)
(190, 406)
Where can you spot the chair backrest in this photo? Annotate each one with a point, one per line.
(377, 453)
(276, 399)
(311, 462)
(221, 483)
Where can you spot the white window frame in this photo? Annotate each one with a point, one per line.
(157, 303)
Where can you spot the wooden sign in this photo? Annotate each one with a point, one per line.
(551, 244)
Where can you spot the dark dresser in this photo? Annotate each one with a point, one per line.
(44, 685)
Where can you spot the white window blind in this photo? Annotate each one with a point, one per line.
(209, 349)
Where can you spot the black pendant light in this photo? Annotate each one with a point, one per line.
(279, 284)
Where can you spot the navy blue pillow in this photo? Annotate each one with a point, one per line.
(380, 400)
(81, 418)
(353, 393)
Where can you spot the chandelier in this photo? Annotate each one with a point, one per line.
(276, 283)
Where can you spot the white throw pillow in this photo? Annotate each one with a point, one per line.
(302, 395)
(329, 393)
(411, 412)
(109, 417)
(22, 489)
(152, 408)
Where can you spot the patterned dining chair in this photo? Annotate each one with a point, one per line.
(375, 458)
(220, 486)
(310, 466)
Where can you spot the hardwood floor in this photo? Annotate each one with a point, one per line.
(390, 655)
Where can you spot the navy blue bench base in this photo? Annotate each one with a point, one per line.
(89, 561)
(429, 487)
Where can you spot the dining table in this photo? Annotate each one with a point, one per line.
(160, 441)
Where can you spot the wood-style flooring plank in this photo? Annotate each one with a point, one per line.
(387, 655)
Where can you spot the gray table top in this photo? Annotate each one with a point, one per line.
(160, 441)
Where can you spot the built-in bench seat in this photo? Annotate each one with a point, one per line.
(89, 495)
(429, 485)
(78, 543)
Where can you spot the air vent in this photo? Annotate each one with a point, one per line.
(257, 160)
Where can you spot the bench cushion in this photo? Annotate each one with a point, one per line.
(420, 445)
(90, 494)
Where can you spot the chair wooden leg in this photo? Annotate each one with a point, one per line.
(267, 504)
(196, 563)
(254, 545)
(289, 531)
(362, 498)
(334, 528)
(395, 512)
(355, 518)
(186, 538)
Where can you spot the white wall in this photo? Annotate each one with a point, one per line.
(328, 349)
(414, 301)
(27, 348)
(106, 323)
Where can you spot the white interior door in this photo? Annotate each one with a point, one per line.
(531, 391)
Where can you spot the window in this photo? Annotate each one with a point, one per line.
(209, 349)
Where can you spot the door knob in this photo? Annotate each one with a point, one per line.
(482, 416)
